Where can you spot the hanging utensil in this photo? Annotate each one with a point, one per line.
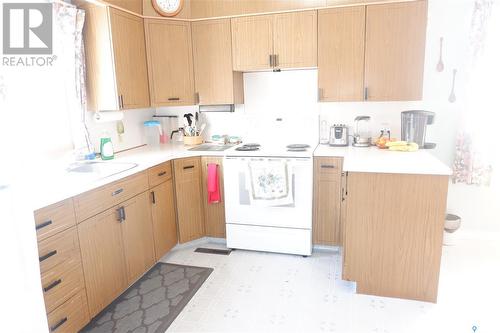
(453, 98)
(440, 65)
(189, 117)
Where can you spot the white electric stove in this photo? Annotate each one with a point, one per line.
(283, 228)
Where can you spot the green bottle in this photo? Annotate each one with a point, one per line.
(107, 152)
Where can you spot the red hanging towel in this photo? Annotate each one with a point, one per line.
(213, 183)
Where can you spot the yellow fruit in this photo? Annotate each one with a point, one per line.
(396, 143)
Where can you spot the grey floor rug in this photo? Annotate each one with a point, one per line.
(151, 304)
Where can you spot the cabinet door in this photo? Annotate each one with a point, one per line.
(341, 54)
(395, 51)
(215, 218)
(129, 50)
(213, 71)
(295, 39)
(170, 62)
(137, 231)
(327, 200)
(188, 195)
(103, 259)
(164, 223)
(252, 42)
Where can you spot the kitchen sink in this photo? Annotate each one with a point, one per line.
(210, 147)
(100, 169)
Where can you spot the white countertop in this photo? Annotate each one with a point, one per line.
(377, 160)
(52, 183)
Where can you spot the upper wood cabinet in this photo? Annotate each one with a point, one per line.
(341, 54)
(252, 42)
(395, 51)
(295, 40)
(130, 62)
(215, 81)
(274, 41)
(170, 62)
(115, 58)
(190, 215)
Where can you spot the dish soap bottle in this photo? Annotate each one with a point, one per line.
(107, 152)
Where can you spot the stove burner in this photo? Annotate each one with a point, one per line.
(296, 149)
(298, 146)
(247, 148)
(253, 145)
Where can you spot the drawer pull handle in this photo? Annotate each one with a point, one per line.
(47, 256)
(52, 285)
(173, 98)
(56, 326)
(43, 225)
(188, 167)
(163, 173)
(327, 166)
(153, 197)
(118, 191)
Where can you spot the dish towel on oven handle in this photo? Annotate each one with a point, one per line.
(213, 184)
(270, 182)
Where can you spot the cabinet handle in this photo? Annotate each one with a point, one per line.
(52, 285)
(43, 225)
(197, 98)
(188, 167)
(47, 256)
(366, 94)
(276, 60)
(327, 166)
(270, 60)
(56, 326)
(320, 94)
(173, 98)
(153, 197)
(120, 102)
(121, 214)
(163, 173)
(118, 191)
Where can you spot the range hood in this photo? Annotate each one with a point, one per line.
(217, 108)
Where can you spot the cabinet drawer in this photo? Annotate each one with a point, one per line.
(187, 168)
(93, 202)
(160, 173)
(70, 317)
(58, 249)
(62, 282)
(328, 168)
(54, 218)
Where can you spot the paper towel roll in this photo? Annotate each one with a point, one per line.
(105, 117)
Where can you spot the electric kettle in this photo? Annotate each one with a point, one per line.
(362, 132)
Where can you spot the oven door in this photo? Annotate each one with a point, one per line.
(239, 209)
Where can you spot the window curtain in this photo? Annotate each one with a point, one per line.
(69, 21)
(476, 148)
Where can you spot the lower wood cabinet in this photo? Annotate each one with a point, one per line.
(164, 218)
(70, 317)
(188, 193)
(327, 201)
(215, 218)
(394, 234)
(117, 248)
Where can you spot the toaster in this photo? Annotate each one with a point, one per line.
(339, 136)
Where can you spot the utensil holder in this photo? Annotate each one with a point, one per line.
(193, 140)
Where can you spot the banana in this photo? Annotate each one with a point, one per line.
(409, 147)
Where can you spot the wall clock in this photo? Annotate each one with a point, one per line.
(167, 7)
